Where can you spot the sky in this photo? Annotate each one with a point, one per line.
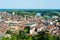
(29, 4)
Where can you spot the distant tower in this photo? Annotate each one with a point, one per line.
(13, 13)
(0, 18)
(26, 17)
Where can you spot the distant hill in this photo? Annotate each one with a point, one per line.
(32, 12)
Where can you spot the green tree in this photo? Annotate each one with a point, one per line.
(42, 35)
(5, 38)
(35, 37)
(51, 37)
(13, 37)
(27, 29)
(21, 35)
(8, 32)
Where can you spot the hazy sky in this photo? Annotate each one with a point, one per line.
(30, 4)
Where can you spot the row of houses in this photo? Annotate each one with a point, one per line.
(36, 23)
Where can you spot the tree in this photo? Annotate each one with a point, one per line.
(21, 35)
(13, 37)
(8, 32)
(42, 35)
(58, 37)
(27, 28)
(5, 38)
(35, 37)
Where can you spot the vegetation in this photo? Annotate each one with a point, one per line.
(8, 32)
(21, 35)
(32, 12)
